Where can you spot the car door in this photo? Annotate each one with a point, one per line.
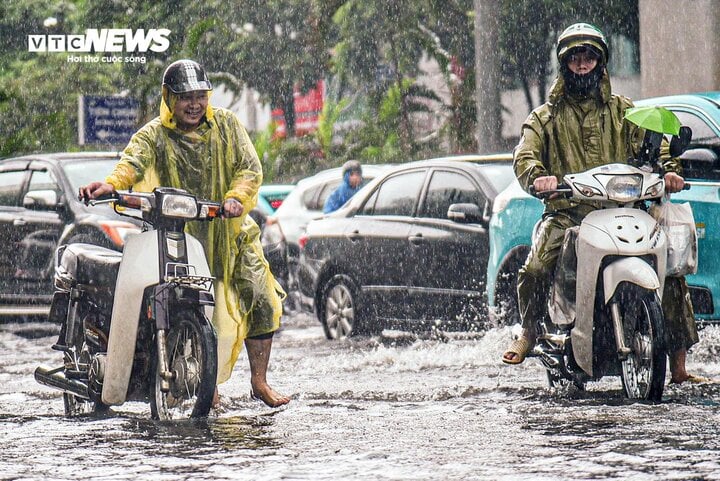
(33, 232)
(448, 259)
(702, 165)
(379, 234)
(13, 179)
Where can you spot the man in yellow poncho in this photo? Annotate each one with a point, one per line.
(206, 151)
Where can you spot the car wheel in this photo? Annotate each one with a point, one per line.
(339, 314)
(506, 300)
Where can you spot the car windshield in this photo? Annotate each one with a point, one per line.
(501, 175)
(83, 172)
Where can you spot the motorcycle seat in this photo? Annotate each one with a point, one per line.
(88, 264)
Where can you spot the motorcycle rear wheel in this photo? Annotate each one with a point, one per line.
(643, 371)
(192, 358)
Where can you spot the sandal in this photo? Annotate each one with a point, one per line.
(520, 347)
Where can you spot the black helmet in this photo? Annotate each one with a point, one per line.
(582, 35)
(351, 166)
(185, 76)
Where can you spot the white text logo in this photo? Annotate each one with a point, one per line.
(103, 40)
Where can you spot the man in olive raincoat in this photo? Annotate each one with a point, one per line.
(580, 127)
(206, 151)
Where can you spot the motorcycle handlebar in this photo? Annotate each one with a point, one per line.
(561, 191)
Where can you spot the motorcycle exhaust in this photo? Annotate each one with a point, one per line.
(56, 378)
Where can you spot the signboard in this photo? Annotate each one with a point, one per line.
(307, 111)
(106, 119)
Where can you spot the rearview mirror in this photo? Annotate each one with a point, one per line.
(41, 200)
(465, 213)
(680, 142)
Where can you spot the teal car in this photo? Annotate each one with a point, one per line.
(271, 196)
(515, 214)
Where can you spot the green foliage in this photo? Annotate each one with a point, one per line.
(267, 146)
(326, 124)
(372, 47)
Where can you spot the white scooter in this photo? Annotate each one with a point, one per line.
(605, 308)
(136, 326)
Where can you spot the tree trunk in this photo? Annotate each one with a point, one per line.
(287, 104)
(487, 65)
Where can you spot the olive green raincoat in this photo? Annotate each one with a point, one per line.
(217, 161)
(569, 135)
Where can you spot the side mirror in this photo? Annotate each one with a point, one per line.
(465, 213)
(680, 142)
(41, 200)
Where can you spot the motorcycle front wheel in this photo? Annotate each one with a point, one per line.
(643, 369)
(192, 360)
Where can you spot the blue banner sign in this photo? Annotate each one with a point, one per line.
(107, 120)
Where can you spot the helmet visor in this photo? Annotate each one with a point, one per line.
(589, 45)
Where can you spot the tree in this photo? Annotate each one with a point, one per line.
(270, 46)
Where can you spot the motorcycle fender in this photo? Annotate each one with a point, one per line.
(629, 269)
(139, 269)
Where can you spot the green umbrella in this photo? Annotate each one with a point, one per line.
(657, 119)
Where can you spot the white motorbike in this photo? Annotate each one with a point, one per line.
(605, 308)
(136, 326)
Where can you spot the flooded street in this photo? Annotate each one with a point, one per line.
(394, 407)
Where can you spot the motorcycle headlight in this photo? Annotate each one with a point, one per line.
(624, 188)
(182, 206)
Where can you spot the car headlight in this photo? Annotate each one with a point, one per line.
(182, 206)
(624, 188)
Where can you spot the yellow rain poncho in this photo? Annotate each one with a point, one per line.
(216, 161)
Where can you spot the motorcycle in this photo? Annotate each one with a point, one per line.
(605, 314)
(136, 325)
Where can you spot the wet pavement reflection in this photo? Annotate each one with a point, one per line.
(392, 407)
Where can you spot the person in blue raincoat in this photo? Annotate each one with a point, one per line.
(207, 151)
(351, 183)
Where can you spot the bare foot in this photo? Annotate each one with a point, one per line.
(216, 399)
(268, 395)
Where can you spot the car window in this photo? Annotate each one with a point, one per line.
(85, 171)
(327, 189)
(309, 198)
(702, 133)
(447, 188)
(42, 180)
(397, 195)
(10, 186)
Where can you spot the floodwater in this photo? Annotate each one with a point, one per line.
(393, 407)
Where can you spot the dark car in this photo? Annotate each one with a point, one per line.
(39, 211)
(412, 246)
(282, 229)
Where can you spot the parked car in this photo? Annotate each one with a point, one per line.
(411, 247)
(515, 214)
(283, 229)
(39, 211)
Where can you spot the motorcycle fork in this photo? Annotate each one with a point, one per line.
(622, 350)
(159, 306)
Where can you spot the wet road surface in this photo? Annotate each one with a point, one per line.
(393, 407)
